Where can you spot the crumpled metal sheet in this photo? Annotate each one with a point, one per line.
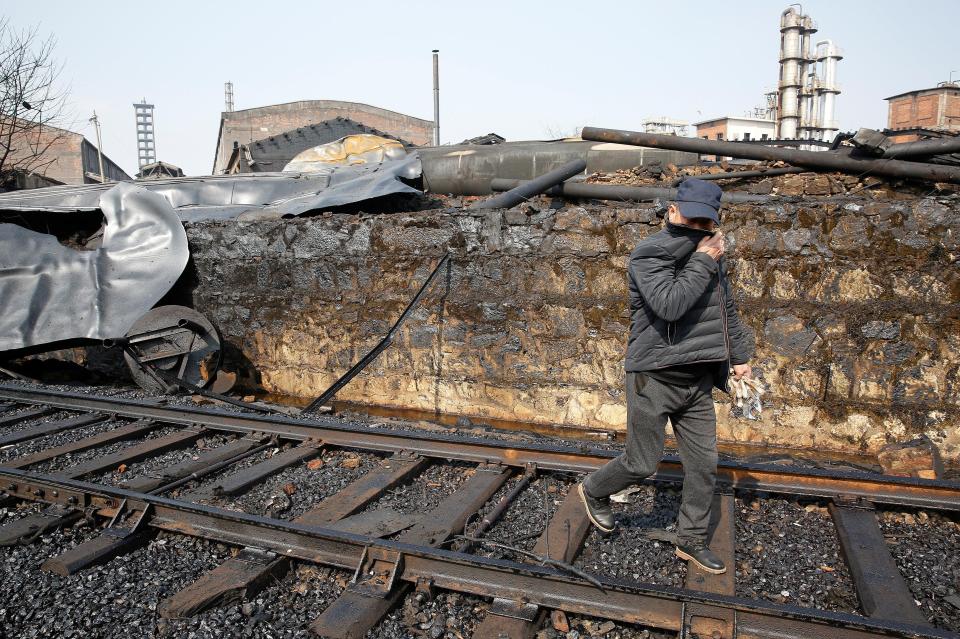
(244, 195)
(51, 292)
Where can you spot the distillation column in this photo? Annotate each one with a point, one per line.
(828, 55)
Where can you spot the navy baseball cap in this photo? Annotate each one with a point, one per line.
(699, 198)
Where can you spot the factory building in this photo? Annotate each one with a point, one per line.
(67, 157)
(274, 152)
(246, 126)
(925, 112)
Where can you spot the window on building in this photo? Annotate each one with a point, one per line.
(746, 136)
(719, 136)
(763, 136)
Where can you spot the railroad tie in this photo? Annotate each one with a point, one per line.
(48, 428)
(365, 602)
(126, 431)
(882, 591)
(22, 416)
(711, 621)
(189, 467)
(29, 528)
(59, 516)
(119, 539)
(562, 539)
(241, 480)
(249, 572)
(135, 453)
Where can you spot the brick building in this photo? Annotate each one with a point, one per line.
(927, 110)
(249, 125)
(74, 158)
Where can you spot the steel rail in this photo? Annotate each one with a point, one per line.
(617, 599)
(882, 489)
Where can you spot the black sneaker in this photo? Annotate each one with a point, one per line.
(598, 510)
(703, 557)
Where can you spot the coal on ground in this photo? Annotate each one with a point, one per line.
(283, 610)
(117, 599)
(926, 547)
(641, 548)
(787, 552)
(527, 517)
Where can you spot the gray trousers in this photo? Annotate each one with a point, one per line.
(690, 409)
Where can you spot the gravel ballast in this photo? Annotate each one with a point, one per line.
(638, 549)
(926, 547)
(788, 552)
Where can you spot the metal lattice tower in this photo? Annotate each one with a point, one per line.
(146, 146)
(228, 96)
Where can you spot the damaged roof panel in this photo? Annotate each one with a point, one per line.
(52, 292)
(243, 195)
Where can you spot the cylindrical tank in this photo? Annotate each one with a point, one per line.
(468, 169)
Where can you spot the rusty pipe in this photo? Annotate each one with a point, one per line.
(621, 192)
(923, 148)
(823, 160)
(528, 188)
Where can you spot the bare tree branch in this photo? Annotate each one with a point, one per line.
(33, 107)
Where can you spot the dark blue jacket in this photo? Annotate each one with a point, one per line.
(682, 311)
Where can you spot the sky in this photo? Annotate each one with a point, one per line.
(525, 70)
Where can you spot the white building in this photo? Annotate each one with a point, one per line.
(736, 129)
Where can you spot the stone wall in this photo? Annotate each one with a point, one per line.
(854, 303)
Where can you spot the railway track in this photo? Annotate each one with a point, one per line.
(390, 553)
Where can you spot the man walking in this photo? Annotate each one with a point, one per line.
(685, 336)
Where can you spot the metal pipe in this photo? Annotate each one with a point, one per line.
(528, 189)
(436, 97)
(96, 124)
(622, 192)
(812, 159)
(494, 515)
(923, 147)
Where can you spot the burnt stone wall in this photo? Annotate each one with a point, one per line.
(854, 303)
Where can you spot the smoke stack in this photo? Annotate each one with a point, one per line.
(436, 97)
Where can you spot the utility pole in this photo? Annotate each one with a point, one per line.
(436, 97)
(96, 125)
